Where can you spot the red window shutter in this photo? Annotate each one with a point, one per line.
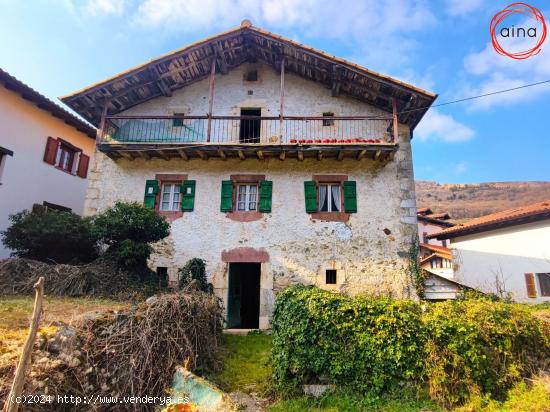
(530, 283)
(83, 165)
(51, 150)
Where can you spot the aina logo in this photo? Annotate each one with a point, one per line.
(530, 35)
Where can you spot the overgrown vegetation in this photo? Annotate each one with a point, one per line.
(416, 273)
(133, 353)
(194, 270)
(125, 231)
(51, 236)
(128, 229)
(374, 345)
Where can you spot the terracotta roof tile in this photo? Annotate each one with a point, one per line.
(518, 215)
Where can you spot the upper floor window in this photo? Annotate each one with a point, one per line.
(328, 121)
(66, 157)
(330, 199)
(247, 197)
(251, 76)
(4, 153)
(170, 197)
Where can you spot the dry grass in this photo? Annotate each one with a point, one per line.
(16, 311)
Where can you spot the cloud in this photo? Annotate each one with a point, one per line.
(493, 72)
(461, 7)
(442, 127)
(106, 6)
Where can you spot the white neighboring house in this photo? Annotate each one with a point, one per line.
(44, 153)
(504, 252)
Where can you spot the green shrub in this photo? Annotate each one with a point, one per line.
(50, 236)
(360, 343)
(128, 228)
(457, 349)
(194, 269)
(481, 347)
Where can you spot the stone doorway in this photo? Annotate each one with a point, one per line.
(243, 297)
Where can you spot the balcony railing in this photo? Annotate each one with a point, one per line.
(247, 130)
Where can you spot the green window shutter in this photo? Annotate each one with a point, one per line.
(151, 189)
(266, 191)
(310, 191)
(227, 196)
(350, 196)
(188, 195)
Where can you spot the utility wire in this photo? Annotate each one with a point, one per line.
(476, 97)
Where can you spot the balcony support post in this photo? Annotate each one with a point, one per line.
(395, 122)
(101, 129)
(281, 101)
(211, 98)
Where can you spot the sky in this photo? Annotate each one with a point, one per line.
(58, 46)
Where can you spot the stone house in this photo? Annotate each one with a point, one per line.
(275, 162)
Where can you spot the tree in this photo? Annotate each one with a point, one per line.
(51, 236)
(128, 229)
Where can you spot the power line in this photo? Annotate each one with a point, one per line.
(476, 97)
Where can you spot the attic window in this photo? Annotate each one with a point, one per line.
(328, 122)
(251, 76)
(331, 276)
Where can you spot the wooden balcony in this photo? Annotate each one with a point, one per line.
(204, 137)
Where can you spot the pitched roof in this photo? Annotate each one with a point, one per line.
(42, 102)
(438, 251)
(519, 215)
(182, 67)
(437, 222)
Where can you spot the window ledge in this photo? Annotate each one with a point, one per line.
(331, 216)
(242, 216)
(171, 215)
(65, 170)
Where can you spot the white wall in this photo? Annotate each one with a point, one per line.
(504, 254)
(27, 179)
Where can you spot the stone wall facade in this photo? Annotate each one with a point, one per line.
(369, 251)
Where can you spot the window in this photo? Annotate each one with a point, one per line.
(251, 76)
(170, 197)
(178, 122)
(544, 283)
(247, 197)
(65, 157)
(162, 273)
(4, 153)
(330, 276)
(328, 122)
(329, 197)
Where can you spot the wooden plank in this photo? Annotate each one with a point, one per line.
(260, 154)
(145, 155)
(340, 155)
(162, 154)
(300, 155)
(222, 154)
(282, 155)
(241, 154)
(183, 154)
(377, 155)
(320, 155)
(101, 129)
(395, 122)
(19, 380)
(211, 98)
(202, 154)
(336, 83)
(361, 154)
(127, 155)
(282, 99)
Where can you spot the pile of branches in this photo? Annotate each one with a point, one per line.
(100, 278)
(132, 353)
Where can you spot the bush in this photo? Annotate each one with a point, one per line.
(194, 269)
(481, 347)
(128, 228)
(457, 348)
(51, 236)
(357, 343)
